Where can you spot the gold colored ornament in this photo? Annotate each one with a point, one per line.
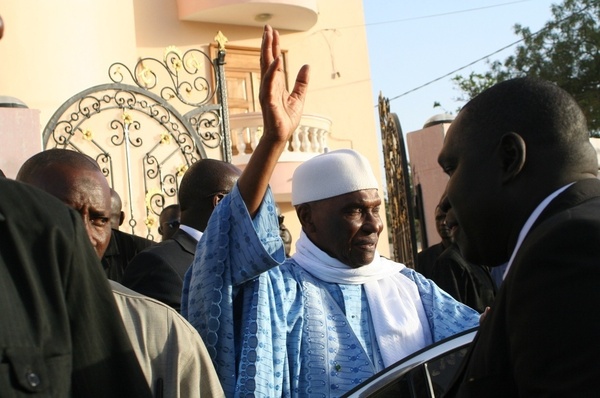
(181, 170)
(193, 63)
(145, 76)
(127, 118)
(150, 221)
(172, 49)
(165, 138)
(221, 40)
(177, 64)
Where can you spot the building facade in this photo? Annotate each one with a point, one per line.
(52, 51)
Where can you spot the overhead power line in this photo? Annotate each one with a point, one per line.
(461, 68)
(432, 15)
(444, 13)
(484, 57)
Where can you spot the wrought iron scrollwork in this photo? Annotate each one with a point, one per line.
(400, 202)
(207, 125)
(183, 79)
(148, 126)
(113, 123)
(185, 76)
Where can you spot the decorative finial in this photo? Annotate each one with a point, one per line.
(221, 40)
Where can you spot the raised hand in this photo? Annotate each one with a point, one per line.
(281, 110)
(281, 114)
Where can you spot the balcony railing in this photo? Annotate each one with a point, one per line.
(309, 139)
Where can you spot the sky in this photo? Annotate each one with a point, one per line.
(414, 42)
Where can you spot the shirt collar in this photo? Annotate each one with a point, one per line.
(530, 221)
(194, 233)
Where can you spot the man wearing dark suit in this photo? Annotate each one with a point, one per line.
(471, 284)
(61, 334)
(158, 271)
(123, 247)
(523, 188)
(169, 220)
(426, 258)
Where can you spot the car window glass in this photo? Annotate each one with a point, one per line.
(443, 369)
(428, 380)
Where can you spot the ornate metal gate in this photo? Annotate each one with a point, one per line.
(400, 200)
(145, 135)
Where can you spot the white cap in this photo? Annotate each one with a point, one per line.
(331, 174)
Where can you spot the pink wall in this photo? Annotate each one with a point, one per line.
(21, 138)
(423, 149)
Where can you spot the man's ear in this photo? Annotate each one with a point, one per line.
(304, 213)
(513, 151)
(216, 199)
(121, 217)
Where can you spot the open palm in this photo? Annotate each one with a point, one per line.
(281, 110)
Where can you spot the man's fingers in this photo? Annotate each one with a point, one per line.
(268, 80)
(301, 84)
(266, 50)
(275, 48)
(271, 63)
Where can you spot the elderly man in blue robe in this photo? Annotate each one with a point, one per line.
(333, 314)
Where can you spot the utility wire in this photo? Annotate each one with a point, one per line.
(547, 26)
(461, 68)
(434, 15)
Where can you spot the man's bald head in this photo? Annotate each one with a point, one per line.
(34, 168)
(202, 186)
(547, 118)
(75, 179)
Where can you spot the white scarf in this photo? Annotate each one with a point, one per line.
(399, 321)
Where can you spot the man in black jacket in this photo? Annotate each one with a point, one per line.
(123, 247)
(169, 220)
(427, 257)
(158, 271)
(523, 188)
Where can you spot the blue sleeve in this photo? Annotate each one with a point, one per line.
(446, 316)
(234, 249)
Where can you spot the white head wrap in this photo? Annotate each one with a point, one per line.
(331, 174)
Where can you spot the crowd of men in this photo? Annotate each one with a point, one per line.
(218, 308)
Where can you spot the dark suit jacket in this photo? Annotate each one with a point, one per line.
(426, 259)
(541, 336)
(61, 334)
(468, 283)
(123, 247)
(158, 271)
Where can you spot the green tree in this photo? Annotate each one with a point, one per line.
(565, 51)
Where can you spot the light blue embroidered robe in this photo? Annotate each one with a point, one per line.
(294, 338)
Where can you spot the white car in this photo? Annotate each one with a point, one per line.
(424, 374)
